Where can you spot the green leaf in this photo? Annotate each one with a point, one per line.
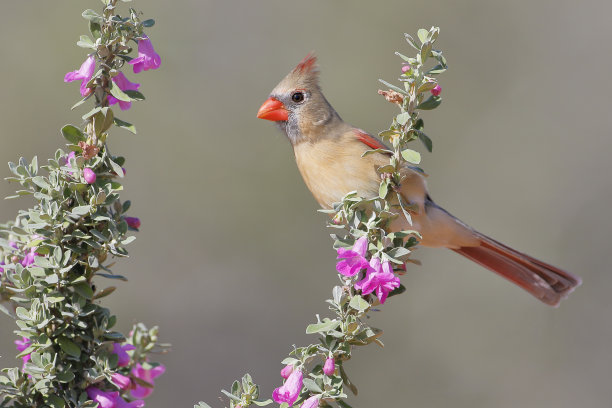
(84, 290)
(325, 326)
(426, 141)
(402, 118)
(431, 103)
(427, 86)
(134, 95)
(73, 134)
(383, 190)
(92, 16)
(393, 87)
(262, 403)
(202, 404)
(438, 69)
(148, 23)
(423, 35)
(116, 168)
(425, 50)
(95, 29)
(125, 125)
(312, 386)
(359, 303)
(69, 347)
(81, 210)
(411, 156)
(411, 41)
(56, 402)
(230, 395)
(118, 93)
(85, 42)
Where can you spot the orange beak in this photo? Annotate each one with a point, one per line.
(274, 110)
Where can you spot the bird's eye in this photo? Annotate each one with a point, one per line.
(297, 97)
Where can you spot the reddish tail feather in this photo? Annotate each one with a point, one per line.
(546, 282)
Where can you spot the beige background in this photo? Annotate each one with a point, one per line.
(233, 261)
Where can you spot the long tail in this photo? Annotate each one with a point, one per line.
(546, 282)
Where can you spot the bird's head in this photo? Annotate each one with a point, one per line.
(297, 104)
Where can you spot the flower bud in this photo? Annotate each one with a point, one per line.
(330, 366)
(436, 90)
(286, 372)
(406, 68)
(89, 175)
(133, 222)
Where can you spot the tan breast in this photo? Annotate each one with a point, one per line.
(333, 168)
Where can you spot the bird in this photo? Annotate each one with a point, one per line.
(328, 153)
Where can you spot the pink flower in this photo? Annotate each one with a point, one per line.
(121, 351)
(330, 366)
(111, 399)
(147, 57)
(146, 375)
(286, 372)
(133, 222)
(84, 74)
(28, 259)
(436, 90)
(290, 390)
(89, 175)
(121, 381)
(312, 402)
(125, 85)
(380, 279)
(406, 68)
(353, 259)
(21, 345)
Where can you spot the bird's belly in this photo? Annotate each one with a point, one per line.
(330, 190)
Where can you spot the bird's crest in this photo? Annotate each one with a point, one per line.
(307, 66)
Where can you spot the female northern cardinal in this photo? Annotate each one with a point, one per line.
(328, 153)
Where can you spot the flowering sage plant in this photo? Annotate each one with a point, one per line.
(56, 255)
(369, 259)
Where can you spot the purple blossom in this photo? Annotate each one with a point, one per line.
(133, 222)
(121, 351)
(125, 85)
(28, 258)
(147, 57)
(84, 74)
(290, 390)
(89, 175)
(21, 345)
(380, 279)
(121, 381)
(353, 259)
(111, 399)
(286, 371)
(146, 375)
(312, 402)
(406, 68)
(436, 90)
(330, 366)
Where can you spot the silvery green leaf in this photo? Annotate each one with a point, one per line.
(425, 50)
(430, 103)
(411, 41)
(438, 69)
(393, 87)
(81, 210)
(69, 347)
(325, 326)
(148, 23)
(359, 303)
(134, 95)
(92, 16)
(85, 42)
(312, 386)
(383, 189)
(411, 156)
(403, 118)
(230, 395)
(423, 35)
(262, 403)
(118, 93)
(427, 86)
(84, 290)
(125, 125)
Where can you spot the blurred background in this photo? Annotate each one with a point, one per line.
(233, 261)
